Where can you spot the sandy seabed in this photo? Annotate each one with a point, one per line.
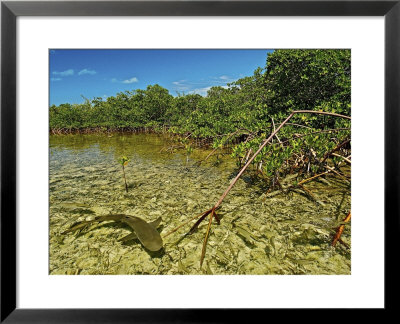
(259, 233)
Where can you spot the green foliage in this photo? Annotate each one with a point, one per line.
(130, 109)
(309, 80)
(245, 112)
(123, 160)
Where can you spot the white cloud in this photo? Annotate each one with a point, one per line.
(114, 80)
(223, 79)
(181, 85)
(180, 82)
(202, 91)
(64, 73)
(131, 80)
(202, 86)
(55, 79)
(86, 71)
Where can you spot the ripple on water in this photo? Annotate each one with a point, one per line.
(257, 235)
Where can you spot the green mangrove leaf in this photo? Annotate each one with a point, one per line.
(123, 160)
(244, 233)
(222, 257)
(182, 267)
(70, 205)
(208, 269)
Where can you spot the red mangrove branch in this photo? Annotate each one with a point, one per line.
(212, 214)
(340, 230)
(267, 141)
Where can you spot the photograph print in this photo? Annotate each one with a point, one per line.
(200, 161)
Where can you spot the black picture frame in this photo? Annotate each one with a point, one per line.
(10, 10)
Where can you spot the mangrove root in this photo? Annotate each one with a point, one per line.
(250, 161)
(340, 230)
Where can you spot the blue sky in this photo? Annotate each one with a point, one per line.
(104, 73)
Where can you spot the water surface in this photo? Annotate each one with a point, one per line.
(258, 234)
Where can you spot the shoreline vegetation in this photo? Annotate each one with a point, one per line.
(242, 115)
(290, 118)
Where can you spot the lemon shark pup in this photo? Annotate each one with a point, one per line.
(146, 232)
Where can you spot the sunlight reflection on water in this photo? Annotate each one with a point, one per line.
(258, 235)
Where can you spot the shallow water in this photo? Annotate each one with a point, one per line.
(258, 234)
